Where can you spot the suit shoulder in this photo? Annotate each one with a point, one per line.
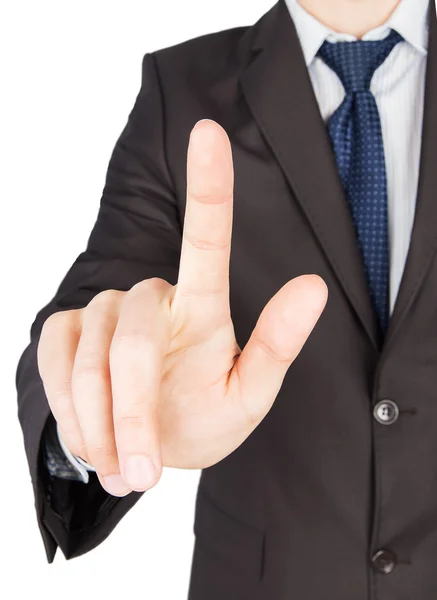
(211, 48)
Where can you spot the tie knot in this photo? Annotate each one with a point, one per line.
(356, 62)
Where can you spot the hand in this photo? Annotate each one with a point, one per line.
(153, 376)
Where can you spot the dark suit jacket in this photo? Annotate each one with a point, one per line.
(300, 508)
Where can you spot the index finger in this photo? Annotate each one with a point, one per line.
(206, 241)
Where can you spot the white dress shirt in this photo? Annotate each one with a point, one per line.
(398, 86)
(81, 466)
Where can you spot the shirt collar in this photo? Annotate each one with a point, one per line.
(410, 20)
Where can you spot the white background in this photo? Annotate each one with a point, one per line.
(70, 72)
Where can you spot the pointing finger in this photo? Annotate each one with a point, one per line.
(206, 242)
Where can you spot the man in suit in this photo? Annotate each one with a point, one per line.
(195, 330)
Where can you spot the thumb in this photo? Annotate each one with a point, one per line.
(280, 333)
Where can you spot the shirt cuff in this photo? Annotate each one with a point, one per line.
(81, 465)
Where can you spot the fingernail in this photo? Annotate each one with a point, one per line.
(140, 472)
(115, 485)
(199, 123)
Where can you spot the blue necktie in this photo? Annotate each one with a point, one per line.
(356, 137)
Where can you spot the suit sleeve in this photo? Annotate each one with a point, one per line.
(136, 236)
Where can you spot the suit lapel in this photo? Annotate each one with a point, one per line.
(423, 241)
(278, 90)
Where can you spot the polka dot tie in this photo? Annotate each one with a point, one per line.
(356, 137)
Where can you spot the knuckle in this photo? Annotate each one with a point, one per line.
(58, 319)
(60, 402)
(87, 369)
(102, 453)
(132, 343)
(90, 356)
(105, 297)
(201, 244)
(61, 397)
(130, 420)
(272, 353)
(152, 285)
(212, 197)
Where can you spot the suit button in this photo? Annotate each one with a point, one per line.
(386, 412)
(384, 561)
